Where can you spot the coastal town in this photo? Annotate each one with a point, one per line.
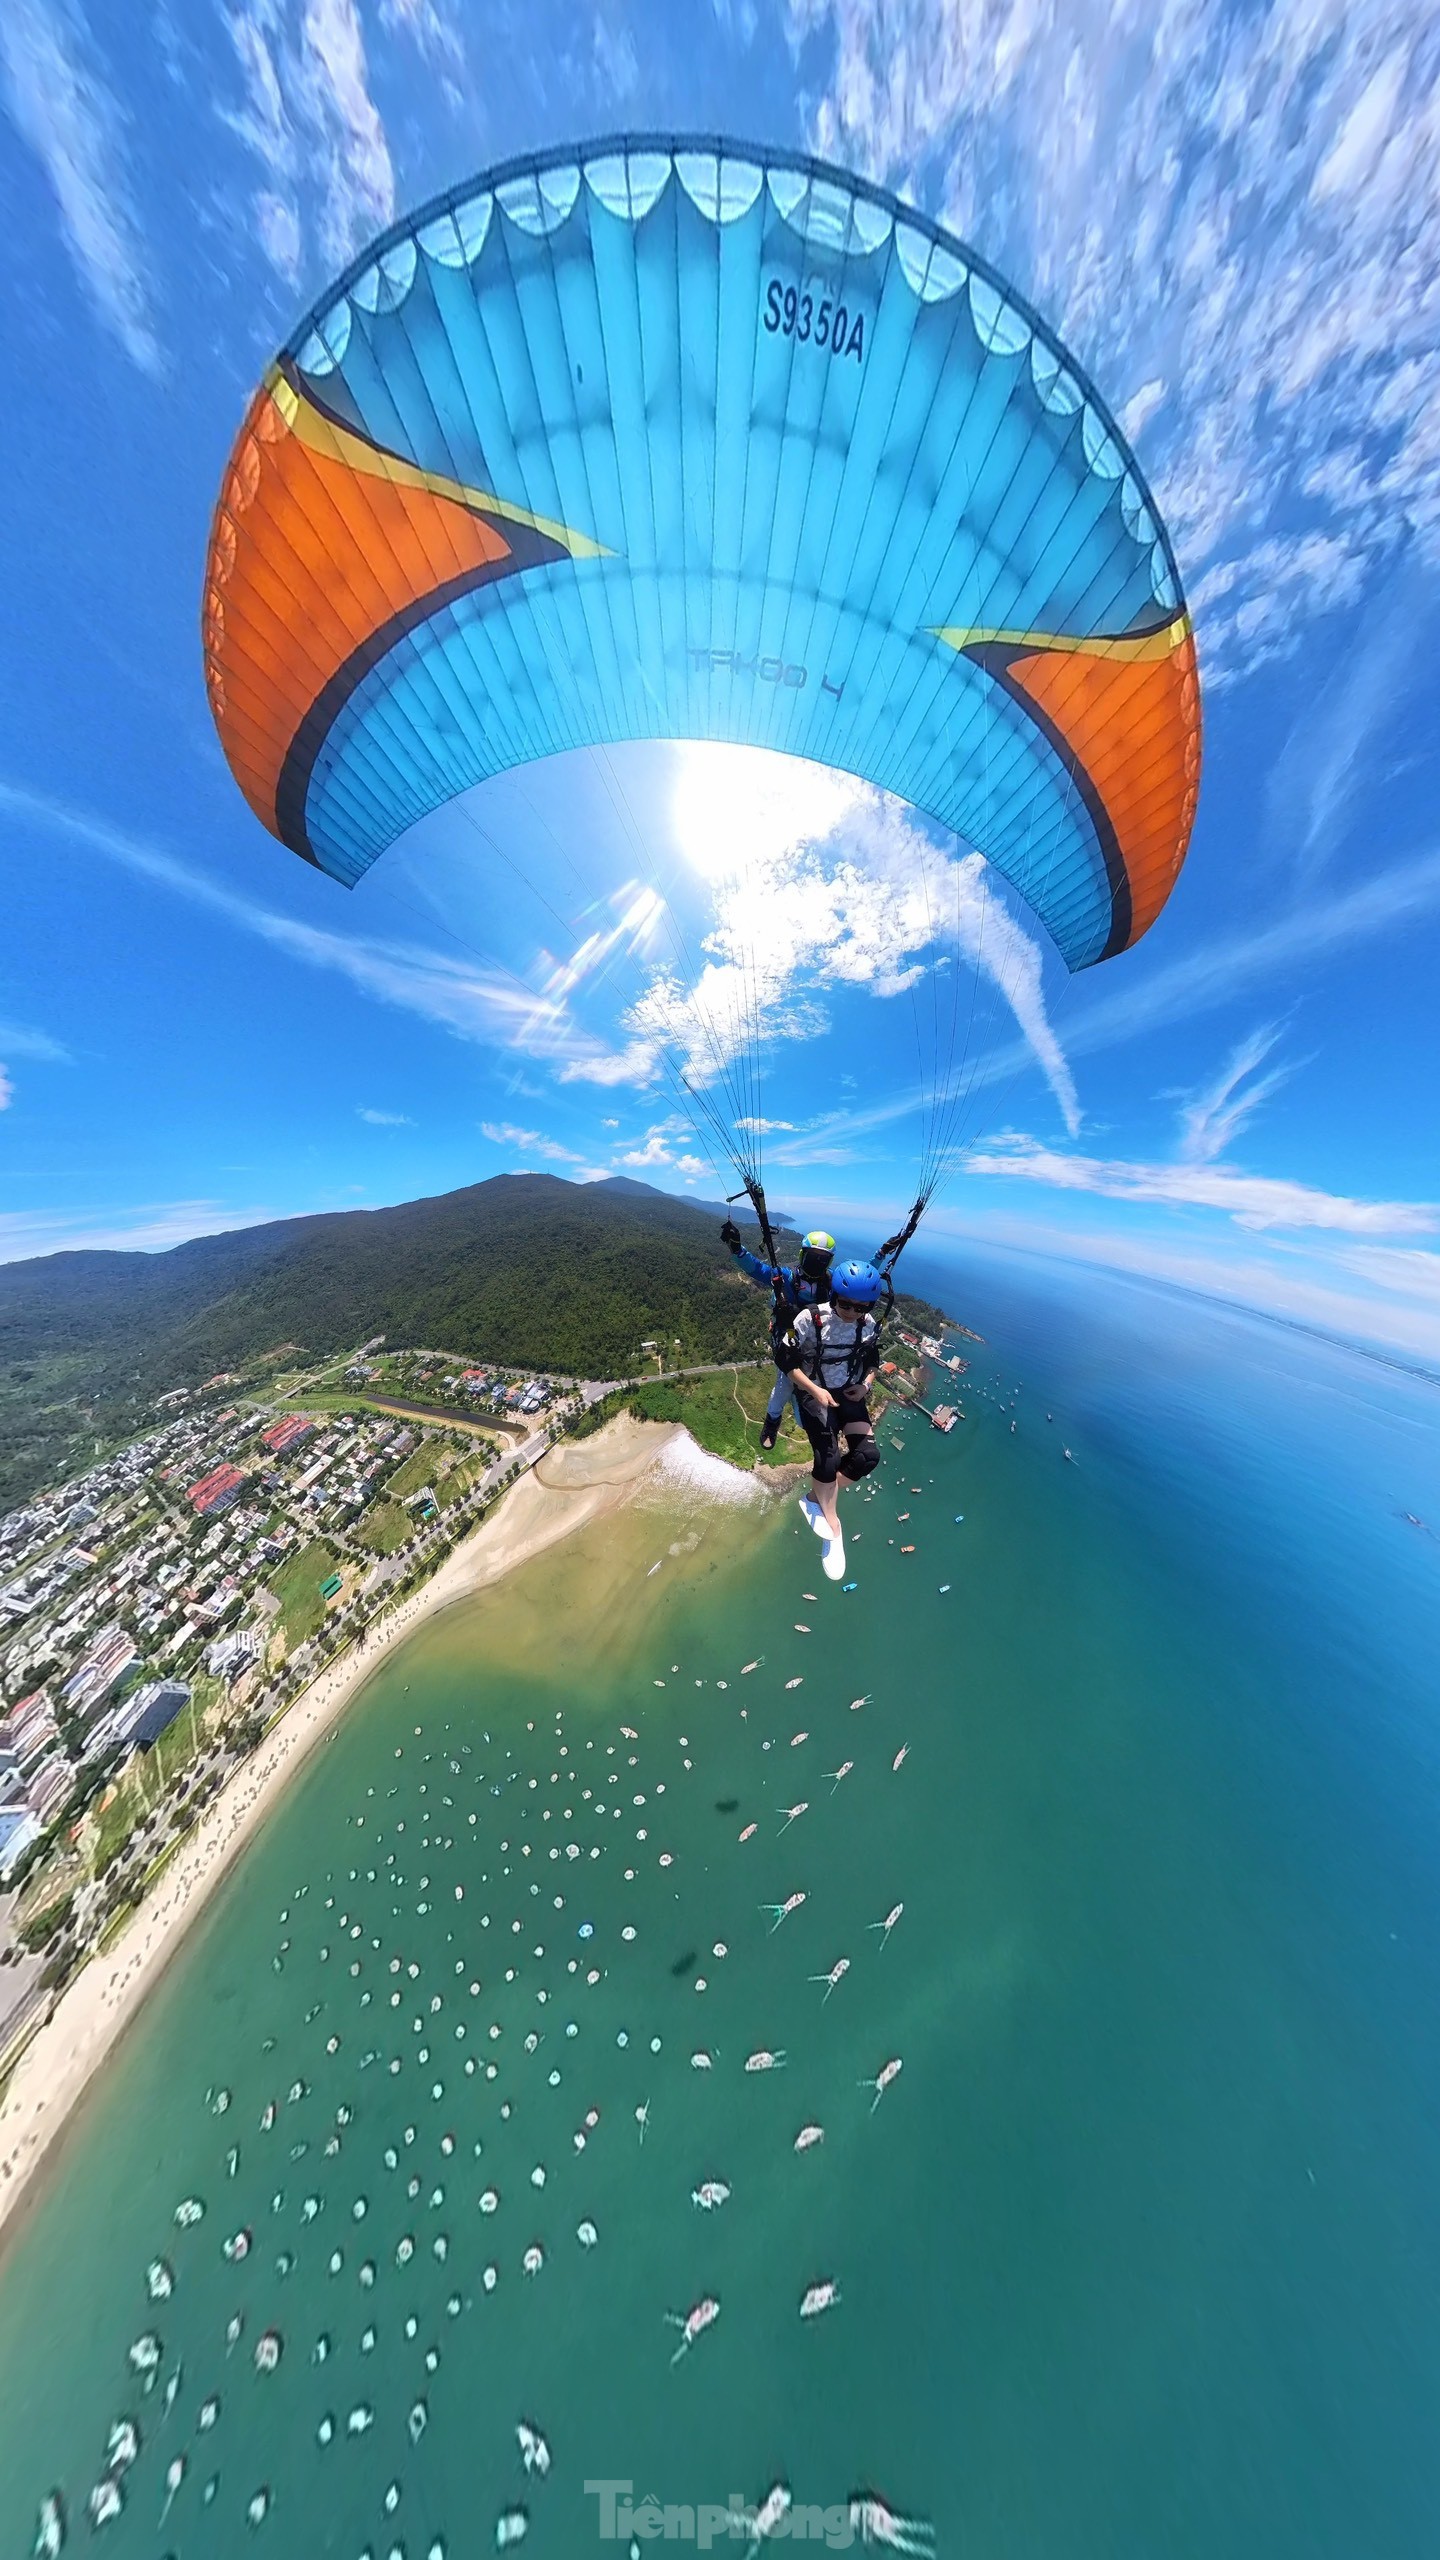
(161, 1609)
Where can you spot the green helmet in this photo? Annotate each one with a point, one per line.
(817, 1241)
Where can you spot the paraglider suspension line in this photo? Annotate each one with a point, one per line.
(891, 1250)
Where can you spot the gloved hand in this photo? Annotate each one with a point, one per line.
(730, 1235)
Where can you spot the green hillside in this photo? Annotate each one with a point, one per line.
(525, 1270)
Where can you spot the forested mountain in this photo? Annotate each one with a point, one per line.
(526, 1270)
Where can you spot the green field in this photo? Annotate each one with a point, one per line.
(160, 1766)
(384, 1528)
(459, 1479)
(296, 1585)
(724, 1414)
(419, 1468)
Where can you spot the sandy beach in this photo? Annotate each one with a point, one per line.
(572, 1485)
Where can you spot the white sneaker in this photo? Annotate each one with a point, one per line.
(832, 1560)
(815, 1516)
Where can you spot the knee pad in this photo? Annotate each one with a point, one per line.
(861, 1457)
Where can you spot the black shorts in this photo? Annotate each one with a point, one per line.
(841, 1435)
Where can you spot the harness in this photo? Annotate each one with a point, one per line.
(788, 1303)
(854, 1357)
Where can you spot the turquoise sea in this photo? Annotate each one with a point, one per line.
(1135, 2255)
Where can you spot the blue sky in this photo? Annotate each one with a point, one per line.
(1233, 216)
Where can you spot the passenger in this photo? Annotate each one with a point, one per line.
(831, 1352)
(795, 1285)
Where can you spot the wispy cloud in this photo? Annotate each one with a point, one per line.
(820, 882)
(1329, 758)
(1268, 302)
(384, 1119)
(1216, 1114)
(1385, 1297)
(59, 99)
(1252, 1199)
(7, 1090)
(503, 1133)
(28, 1233)
(22, 1040)
(434, 33)
(1225, 967)
(473, 1002)
(1154, 995)
(617, 70)
(1404, 1268)
(307, 114)
(799, 1153)
(635, 1064)
(1210, 1118)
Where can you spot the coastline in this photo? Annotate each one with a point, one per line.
(586, 1479)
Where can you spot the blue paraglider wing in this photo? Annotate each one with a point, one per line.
(674, 440)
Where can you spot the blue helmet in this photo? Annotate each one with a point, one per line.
(858, 1282)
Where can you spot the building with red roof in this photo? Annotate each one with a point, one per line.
(216, 1491)
(287, 1434)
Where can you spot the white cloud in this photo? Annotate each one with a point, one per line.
(1350, 163)
(820, 882)
(1140, 408)
(307, 114)
(1217, 1113)
(7, 1090)
(1240, 205)
(656, 1150)
(277, 225)
(384, 1119)
(1141, 994)
(59, 100)
(659, 1145)
(1253, 1200)
(1404, 1268)
(635, 1064)
(762, 1128)
(613, 50)
(503, 1133)
(433, 35)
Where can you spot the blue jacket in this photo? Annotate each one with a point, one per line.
(795, 1288)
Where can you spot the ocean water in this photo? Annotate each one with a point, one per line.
(1136, 2252)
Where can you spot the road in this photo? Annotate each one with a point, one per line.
(19, 1977)
(594, 1390)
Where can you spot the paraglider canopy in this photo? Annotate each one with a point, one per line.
(684, 440)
